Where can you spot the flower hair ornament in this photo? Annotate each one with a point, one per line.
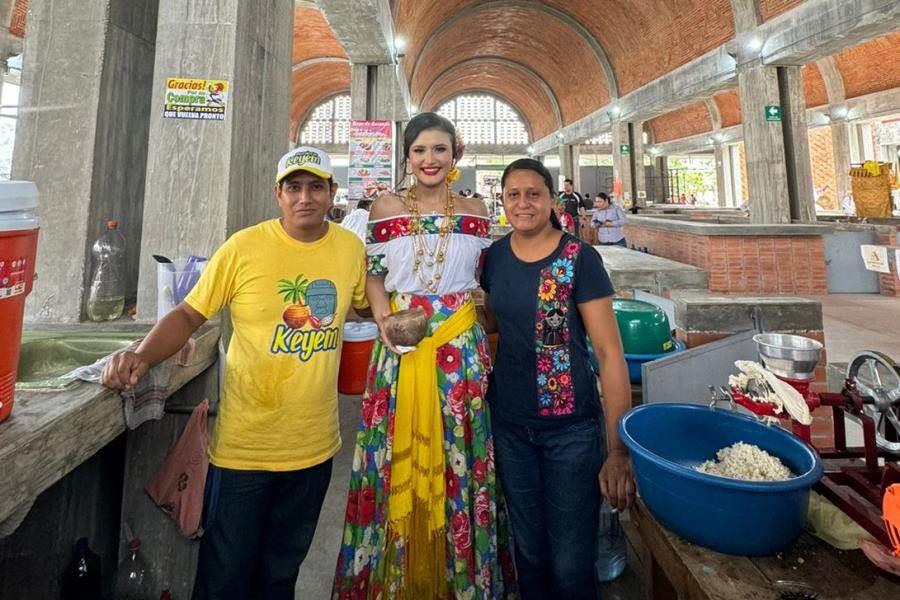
(454, 173)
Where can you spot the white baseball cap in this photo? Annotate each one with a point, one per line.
(305, 158)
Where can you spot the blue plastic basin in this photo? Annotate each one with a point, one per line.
(734, 517)
(634, 361)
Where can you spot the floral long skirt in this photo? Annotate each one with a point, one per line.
(479, 564)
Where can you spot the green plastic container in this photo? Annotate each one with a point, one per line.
(644, 327)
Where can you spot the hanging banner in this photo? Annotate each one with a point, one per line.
(876, 258)
(371, 167)
(195, 99)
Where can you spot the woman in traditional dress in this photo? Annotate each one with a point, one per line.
(423, 517)
(546, 292)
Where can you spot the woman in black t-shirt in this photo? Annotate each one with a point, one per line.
(546, 293)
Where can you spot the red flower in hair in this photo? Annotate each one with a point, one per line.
(460, 146)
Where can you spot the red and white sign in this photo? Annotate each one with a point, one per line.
(12, 277)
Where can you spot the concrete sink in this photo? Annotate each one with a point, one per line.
(45, 358)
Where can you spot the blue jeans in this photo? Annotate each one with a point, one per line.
(258, 526)
(549, 479)
(619, 243)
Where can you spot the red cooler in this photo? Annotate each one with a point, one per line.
(359, 338)
(18, 249)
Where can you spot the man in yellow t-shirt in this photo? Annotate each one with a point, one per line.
(289, 284)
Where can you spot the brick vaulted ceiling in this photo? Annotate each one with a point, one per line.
(320, 66)
(510, 81)
(864, 69)
(557, 55)
(555, 61)
(643, 39)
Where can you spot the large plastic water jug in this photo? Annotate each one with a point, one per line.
(18, 251)
(359, 339)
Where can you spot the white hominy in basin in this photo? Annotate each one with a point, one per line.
(747, 462)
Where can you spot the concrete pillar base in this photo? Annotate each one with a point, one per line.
(208, 179)
(83, 138)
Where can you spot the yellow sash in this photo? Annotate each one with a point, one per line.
(416, 510)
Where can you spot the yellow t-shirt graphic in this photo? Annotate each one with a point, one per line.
(288, 302)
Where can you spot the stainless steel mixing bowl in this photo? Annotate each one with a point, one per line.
(791, 356)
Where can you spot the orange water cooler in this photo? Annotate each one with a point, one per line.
(359, 338)
(18, 250)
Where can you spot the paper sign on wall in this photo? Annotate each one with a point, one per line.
(876, 258)
(203, 99)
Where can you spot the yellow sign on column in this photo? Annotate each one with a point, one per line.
(203, 99)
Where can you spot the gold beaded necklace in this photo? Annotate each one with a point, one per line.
(427, 257)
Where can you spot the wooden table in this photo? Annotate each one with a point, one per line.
(51, 433)
(674, 568)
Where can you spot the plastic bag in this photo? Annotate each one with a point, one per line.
(830, 524)
(178, 486)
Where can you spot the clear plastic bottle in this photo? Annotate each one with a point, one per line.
(106, 298)
(612, 555)
(133, 580)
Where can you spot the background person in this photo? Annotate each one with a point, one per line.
(574, 203)
(357, 220)
(565, 219)
(609, 220)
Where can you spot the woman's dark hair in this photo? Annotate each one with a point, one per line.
(530, 164)
(605, 196)
(418, 124)
(423, 121)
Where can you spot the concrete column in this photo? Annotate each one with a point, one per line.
(82, 138)
(856, 151)
(661, 169)
(637, 159)
(359, 91)
(764, 141)
(208, 179)
(622, 162)
(737, 167)
(721, 153)
(373, 96)
(374, 93)
(569, 156)
(840, 140)
(796, 141)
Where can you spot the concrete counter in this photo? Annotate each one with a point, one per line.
(731, 229)
(631, 269)
(49, 434)
(740, 258)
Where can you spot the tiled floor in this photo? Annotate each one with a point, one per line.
(856, 322)
(317, 571)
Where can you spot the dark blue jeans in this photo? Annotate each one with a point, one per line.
(549, 479)
(258, 526)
